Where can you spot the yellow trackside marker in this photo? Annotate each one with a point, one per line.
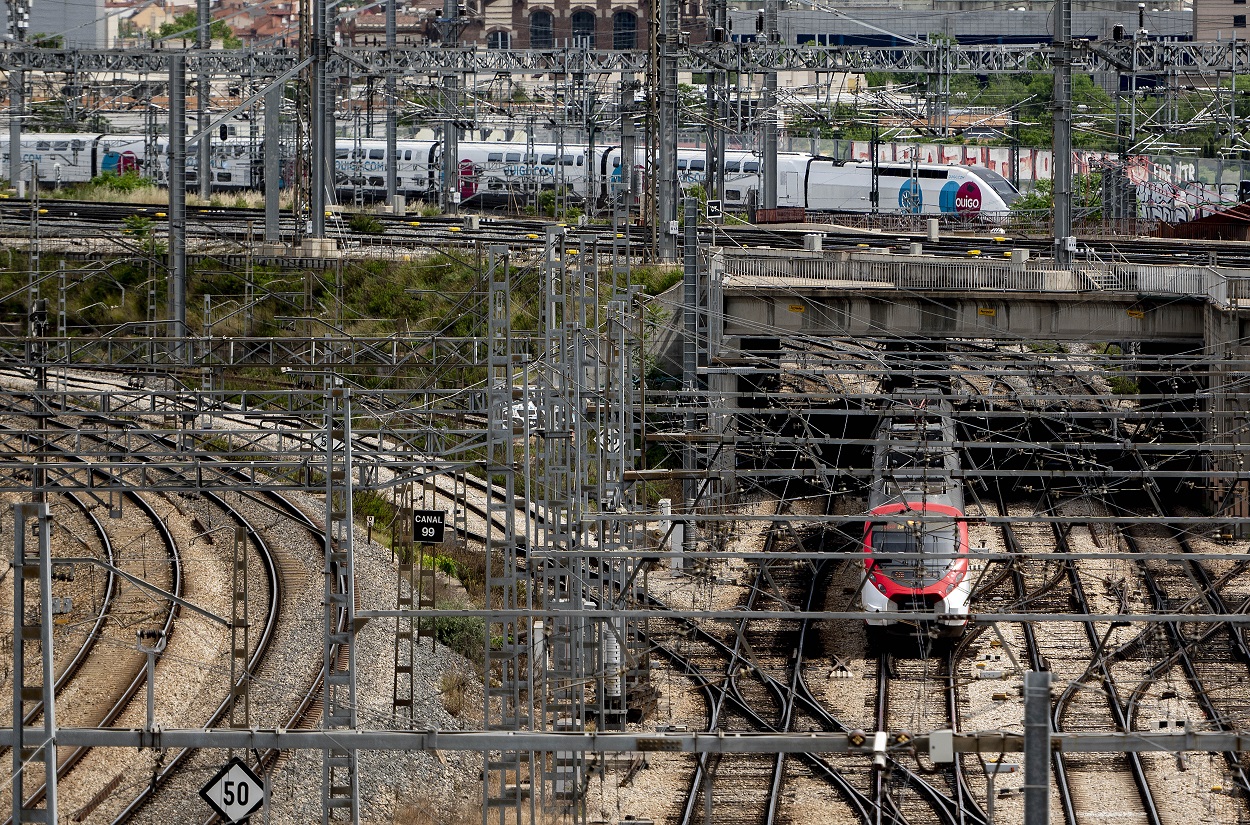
(974, 252)
(797, 308)
(988, 312)
(1135, 313)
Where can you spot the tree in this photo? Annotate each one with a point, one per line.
(186, 25)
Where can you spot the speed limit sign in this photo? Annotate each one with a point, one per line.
(235, 792)
(428, 525)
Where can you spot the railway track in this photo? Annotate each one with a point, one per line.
(242, 227)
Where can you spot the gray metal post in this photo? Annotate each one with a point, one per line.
(1062, 168)
(668, 191)
(273, 162)
(768, 117)
(28, 634)
(340, 791)
(177, 199)
(17, 80)
(19, 20)
(629, 144)
(392, 117)
(690, 352)
(322, 143)
(451, 144)
(1037, 747)
(450, 30)
(203, 40)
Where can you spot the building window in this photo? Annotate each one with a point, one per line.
(498, 40)
(541, 36)
(1239, 21)
(624, 30)
(583, 29)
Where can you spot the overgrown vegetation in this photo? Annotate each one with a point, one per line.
(1123, 385)
(1086, 198)
(366, 224)
(465, 635)
(187, 24)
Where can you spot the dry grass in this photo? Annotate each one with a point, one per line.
(454, 687)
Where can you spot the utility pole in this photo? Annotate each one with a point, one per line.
(629, 145)
(1065, 244)
(19, 21)
(1037, 747)
(450, 30)
(322, 143)
(714, 164)
(273, 169)
(203, 41)
(768, 117)
(392, 118)
(177, 202)
(667, 188)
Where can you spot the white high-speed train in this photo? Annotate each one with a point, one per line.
(501, 174)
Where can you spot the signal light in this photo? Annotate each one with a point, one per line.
(857, 738)
(902, 738)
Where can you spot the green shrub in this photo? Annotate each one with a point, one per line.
(125, 182)
(464, 634)
(365, 224)
(1121, 385)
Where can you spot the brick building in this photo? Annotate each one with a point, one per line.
(549, 24)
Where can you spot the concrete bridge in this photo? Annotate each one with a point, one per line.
(751, 297)
(877, 294)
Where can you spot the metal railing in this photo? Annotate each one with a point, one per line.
(874, 270)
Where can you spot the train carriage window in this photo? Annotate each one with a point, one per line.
(42, 146)
(531, 158)
(697, 165)
(224, 177)
(751, 166)
(60, 146)
(566, 160)
(681, 163)
(733, 194)
(494, 157)
(513, 157)
(340, 154)
(580, 160)
(407, 154)
(376, 182)
(732, 166)
(77, 145)
(377, 154)
(548, 160)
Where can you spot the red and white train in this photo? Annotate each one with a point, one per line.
(916, 538)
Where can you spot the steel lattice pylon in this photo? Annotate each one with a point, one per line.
(339, 779)
(508, 686)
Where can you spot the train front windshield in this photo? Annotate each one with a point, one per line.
(999, 184)
(937, 543)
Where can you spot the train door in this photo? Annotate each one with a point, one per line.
(468, 179)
